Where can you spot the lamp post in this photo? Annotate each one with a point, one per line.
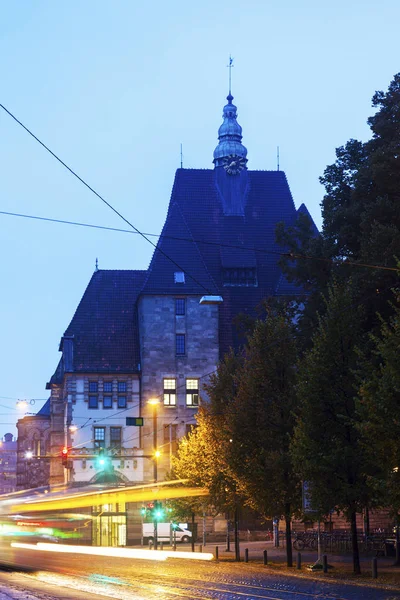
(154, 402)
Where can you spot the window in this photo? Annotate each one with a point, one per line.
(192, 392)
(93, 402)
(107, 401)
(121, 401)
(122, 387)
(240, 277)
(107, 387)
(99, 434)
(179, 277)
(170, 437)
(180, 306)
(169, 392)
(115, 437)
(180, 344)
(93, 398)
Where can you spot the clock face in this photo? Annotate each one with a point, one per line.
(233, 164)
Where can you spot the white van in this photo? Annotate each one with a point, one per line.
(165, 533)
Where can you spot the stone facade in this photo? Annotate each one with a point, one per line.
(8, 464)
(33, 451)
(158, 326)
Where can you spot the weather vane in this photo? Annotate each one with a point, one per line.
(230, 72)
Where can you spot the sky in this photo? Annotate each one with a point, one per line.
(114, 89)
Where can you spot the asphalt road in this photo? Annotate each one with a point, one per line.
(80, 577)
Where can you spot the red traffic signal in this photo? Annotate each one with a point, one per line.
(64, 456)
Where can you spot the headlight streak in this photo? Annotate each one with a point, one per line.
(157, 555)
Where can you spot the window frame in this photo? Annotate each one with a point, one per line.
(107, 384)
(191, 392)
(180, 307)
(180, 338)
(100, 442)
(119, 401)
(119, 441)
(93, 397)
(108, 397)
(169, 391)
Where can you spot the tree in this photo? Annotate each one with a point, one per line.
(327, 446)
(260, 421)
(361, 220)
(380, 412)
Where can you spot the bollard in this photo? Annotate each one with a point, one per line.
(325, 563)
(174, 546)
(298, 563)
(246, 555)
(374, 568)
(201, 548)
(216, 552)
(150, 544)
(161, 545)
(265, 553)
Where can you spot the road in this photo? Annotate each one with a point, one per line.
(77, 577)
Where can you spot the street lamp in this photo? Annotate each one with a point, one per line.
(154, 402)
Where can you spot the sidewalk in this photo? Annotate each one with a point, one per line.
(342, 564)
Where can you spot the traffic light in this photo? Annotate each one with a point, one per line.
(157, 512)
(64, 456)
(143, 511)
(103, 461)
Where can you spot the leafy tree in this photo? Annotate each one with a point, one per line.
(327, 446)
(361, 220)
(260, 421)
(380, 411)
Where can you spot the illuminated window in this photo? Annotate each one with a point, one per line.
(107, 401)
(93, 386)
(99, 434)
(122, 387)
(192, 392)
(180, 344)
(169, 392)
(180, 306)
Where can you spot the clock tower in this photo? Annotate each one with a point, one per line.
(231, 163)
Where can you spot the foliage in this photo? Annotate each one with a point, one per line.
(327, 446)
(260, 420)
(380, 411)
(361, 220)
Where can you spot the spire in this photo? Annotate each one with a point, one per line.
(230, 132)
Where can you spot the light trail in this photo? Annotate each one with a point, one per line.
(158, 555)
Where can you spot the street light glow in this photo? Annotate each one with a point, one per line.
(153, 401)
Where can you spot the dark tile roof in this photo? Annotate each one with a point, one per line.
(45, 410)
(104, 329)
(224, 232)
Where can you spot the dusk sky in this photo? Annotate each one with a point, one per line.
(114, 88)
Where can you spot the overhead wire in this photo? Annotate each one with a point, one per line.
(156, 246)
(290, 255)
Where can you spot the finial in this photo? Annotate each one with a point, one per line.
(230, 77)
(277, 157)
(97, 265)
(181, 158)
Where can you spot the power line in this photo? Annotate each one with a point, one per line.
(100, 197)
(290, 255)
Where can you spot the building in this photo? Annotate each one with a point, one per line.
(33, 447)
(149, 335)
(8, 464)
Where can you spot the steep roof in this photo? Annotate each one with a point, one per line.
(104, 330)
(231, 223)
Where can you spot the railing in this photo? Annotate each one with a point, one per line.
(340, 541)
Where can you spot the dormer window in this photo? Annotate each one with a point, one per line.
(240, 277)
(179, 277)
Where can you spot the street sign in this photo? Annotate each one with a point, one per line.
(135, 421)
